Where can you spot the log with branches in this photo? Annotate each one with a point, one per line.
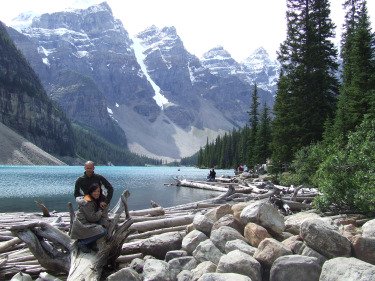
(56, 253)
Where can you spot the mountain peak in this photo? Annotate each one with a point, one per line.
(217, 52)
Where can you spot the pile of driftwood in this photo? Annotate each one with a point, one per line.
(34, 243)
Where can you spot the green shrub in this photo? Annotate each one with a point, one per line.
(347, 176)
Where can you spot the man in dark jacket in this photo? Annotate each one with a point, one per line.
(84, 182)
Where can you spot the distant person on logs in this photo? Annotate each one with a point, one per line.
(84, 182)
(212, 175)
(91, 220)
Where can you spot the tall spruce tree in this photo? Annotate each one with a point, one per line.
(308, 85)
(357, 52)
(253, 121)
(263, 137)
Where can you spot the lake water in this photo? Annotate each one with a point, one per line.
(21, 186)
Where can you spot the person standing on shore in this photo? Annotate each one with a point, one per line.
(83, 184)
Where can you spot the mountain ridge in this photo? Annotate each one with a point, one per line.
(186, 103)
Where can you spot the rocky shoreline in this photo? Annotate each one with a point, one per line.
(220, 240)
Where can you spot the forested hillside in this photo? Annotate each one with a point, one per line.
(322, 133)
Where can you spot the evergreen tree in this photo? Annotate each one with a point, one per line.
(359, 70)
(307, 84)
(253, 121)
(263, 137)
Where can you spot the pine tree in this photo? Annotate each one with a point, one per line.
(253, 121)
(307, 84)
(358, 69)
(263, 137)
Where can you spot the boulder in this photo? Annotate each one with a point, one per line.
(219, 212)
(207, 251)
(293, 222)
(295, 268)
(157, 270)
(241, 245)
(264, 214)
(269, 250)
(202, 268)
(224, 234)
(223, 277)
(228, 220)
(309, 252)
(175, 254)
(368, 229)
(185, 275)
(127, 274)
(241, 263)
(294, 243)
(364, 248)
(137, 264)
(158, 245)
(203, 223)
(237, 209)
(192, 240)
(255, 234)
(345, 269)
(324, 239)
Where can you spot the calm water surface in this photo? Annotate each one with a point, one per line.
(21, 186)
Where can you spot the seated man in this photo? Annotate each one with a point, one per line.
(211, 175)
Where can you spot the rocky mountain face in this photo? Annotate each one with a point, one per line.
(165, 100)
(24, 105)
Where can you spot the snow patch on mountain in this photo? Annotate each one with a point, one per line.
(139, 54)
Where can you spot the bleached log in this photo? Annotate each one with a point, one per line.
(43, 208)
(22, 258)
(162, 223)
(222, 198)
(252, 189)
(55, 259)
(3, 260)
(89, 266)
(4, 246)
(193, 184)
(155, 232)
(158, 211)
(226, 180)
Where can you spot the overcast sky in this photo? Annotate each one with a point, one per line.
(240, 26)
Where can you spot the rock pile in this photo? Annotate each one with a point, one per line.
(253, 241)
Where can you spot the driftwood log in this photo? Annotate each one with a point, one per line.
(55, 251)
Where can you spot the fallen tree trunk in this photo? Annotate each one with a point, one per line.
(54, 251)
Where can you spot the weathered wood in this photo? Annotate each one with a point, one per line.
(193, 184)
(155, 232)
(43, 208)
(55, 259)
(162, 223)
(89, 266)
(158, 211)
(4, 246)
(71, 216)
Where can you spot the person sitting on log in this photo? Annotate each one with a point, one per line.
(91, 220)
(212, 175)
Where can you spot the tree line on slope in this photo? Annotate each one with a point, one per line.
(91, 146)
(323, 128)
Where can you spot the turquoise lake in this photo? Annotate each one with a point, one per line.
(21, 186)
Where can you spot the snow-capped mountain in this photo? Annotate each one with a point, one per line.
(150, 88)
(259, 68)
(220, 62)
